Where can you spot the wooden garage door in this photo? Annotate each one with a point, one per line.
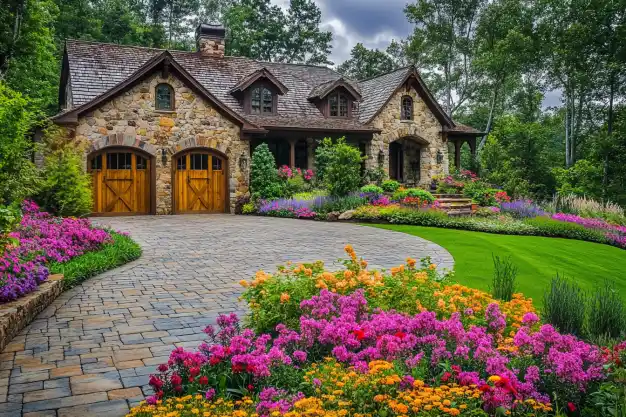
(199, 183)
(121, 183)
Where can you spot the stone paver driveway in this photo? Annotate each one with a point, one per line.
(92, 351)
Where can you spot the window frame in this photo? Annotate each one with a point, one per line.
(402, 112)
(172, 97)
(262, 87)
(339, 95)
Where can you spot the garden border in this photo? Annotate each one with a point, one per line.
(17, 314)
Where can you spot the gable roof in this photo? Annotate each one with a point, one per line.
(163, 59)
(257, 75)
(95, 68)
(96, 71)
(322, 90)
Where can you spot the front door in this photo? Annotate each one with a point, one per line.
(121, 182)
(396, 162)
(199, 183)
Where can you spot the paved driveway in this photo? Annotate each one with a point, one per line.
(91, 352)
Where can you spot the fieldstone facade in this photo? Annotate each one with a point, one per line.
(130, 119)
(421, 139)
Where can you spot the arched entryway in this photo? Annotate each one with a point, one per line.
(122, 180)
(405, 160)
(199, 181)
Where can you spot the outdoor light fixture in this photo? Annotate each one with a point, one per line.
(164, 156)
(243, 161)
(381, 157)
(439, 156)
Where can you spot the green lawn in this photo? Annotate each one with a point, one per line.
(538, 258)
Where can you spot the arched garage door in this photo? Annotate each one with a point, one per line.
(199, 182)
(121, 182)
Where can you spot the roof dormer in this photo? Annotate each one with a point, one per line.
(258, 92)
(336, 98)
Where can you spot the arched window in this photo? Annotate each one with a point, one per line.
(338, 105)
(164, 97)
(406, 112)
(261, 101)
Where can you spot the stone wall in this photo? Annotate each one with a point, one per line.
(194, 121)
(420, 138)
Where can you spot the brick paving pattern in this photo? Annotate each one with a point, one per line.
(92, 351)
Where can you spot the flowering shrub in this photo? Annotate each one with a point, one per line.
(522, 209)
(615, 233)
(43, 239)
(355, 343)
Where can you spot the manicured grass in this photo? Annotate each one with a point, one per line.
(538, 258)
(121, 251)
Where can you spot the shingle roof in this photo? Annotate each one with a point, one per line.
(376, 91)
(96, 68)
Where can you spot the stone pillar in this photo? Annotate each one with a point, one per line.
(310, 153)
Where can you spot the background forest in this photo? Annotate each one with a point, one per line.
(490, 63)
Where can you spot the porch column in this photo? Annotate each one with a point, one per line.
(457, 153)
(472, 145)
(292, 153)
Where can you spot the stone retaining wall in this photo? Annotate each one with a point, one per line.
(16, 315)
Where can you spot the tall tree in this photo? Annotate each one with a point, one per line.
(304, 41)
(366, 63)
(445, 33)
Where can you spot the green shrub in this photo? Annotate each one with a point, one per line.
(323, 155)
(310, 195)
(371, 189)
(121, 251)
(264, 181)
(374, 175)
(18, 176)
(390, 186)
(294, 185)
(342, 175)
(9, 218)
(564, 306)
(340, 204)
(415, 193)
(66, 189)
(504, 276)
(480, 193)
(606, 312)
(248, 208)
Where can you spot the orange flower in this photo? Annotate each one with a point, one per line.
(284, 297)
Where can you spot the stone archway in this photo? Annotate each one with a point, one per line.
(120, 139)
(405, 159)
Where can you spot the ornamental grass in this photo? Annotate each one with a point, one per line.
(367, 343)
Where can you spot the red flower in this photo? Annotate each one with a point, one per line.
(238, 368)
(571, 407)
(194, 371)
(359, 334)
(484, 388)
(178, 388)
(214, 361)
(162, 368)
(400, 335)
(456, 369)
(176, 379)
(155, 381)
(159, 394)
(446, 376)
(250, 387)
(203, 380)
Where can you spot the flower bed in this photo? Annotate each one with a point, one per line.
(365, 343)
(40, 240)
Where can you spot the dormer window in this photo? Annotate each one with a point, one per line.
(406, 113)
(164, 97)
(338, 105)
(262, 100)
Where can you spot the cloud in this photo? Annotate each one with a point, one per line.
(371, 22)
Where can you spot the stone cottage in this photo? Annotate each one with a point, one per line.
(173, 131)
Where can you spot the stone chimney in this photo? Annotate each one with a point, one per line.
(210, 40)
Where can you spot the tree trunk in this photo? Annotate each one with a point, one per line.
(490, 119)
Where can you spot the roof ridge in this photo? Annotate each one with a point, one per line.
(385, 73)
(120, 45)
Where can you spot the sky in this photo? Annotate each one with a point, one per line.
(372, 22)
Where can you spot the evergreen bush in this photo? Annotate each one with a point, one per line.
(607, 316)
(342, 174)
(264, 181)
(564, 306)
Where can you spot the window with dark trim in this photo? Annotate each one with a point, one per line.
(96, 162)
(406, 112)
(338, 105)
(119, 160)
(164, 97)
(199, 161)
(262, 100)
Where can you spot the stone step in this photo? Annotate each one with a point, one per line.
(455, 200)
(459, 212)
(438, 196)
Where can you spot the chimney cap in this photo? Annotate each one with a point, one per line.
(210, 29)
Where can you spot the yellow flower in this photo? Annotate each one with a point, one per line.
(494, 378)
(244, 283)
